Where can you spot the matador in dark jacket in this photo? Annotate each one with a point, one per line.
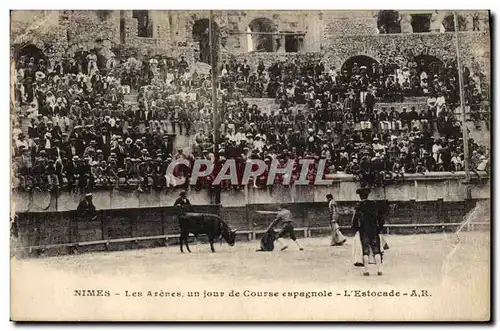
(369, 222)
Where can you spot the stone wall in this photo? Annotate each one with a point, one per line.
(429, 187)
(115, 229)
(86, 26)
(290, 21)
(44, 29)
(346, 23)
(334, 35)
(337, 49)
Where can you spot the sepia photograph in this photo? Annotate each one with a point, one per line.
(250, 165)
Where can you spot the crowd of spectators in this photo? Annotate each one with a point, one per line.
(304, 81)
(82, 133)
(73, 128)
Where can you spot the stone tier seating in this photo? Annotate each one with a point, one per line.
(130, 99)
(420, 103)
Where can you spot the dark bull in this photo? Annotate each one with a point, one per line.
(200, 223)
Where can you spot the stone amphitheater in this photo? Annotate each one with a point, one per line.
(334, 37)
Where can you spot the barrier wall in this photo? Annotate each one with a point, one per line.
(114, 229)
(418, 187)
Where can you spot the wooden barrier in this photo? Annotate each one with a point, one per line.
(116, 229)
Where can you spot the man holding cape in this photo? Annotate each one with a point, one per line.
(368, 221)
(338, 239)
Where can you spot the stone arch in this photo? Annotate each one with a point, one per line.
(200, 35)
(219, 19)
(29, 50)
(388, 21)
(261, 43)
(429, 63)
(360, 61)
(103, 49)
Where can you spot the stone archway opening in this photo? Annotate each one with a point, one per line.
(421, 22)
(260, 42)
(429, 63)
(202, 37)
(354, 64)
(293, 42)
(30, 51)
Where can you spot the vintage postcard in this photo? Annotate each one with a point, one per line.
(250, 165)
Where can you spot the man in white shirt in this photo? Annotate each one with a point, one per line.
(436, 150)
(483, 164)
(423, 76)
(240, 136)
(112, 62)
(377, 146)
(230, 135)
(457, 162)
(92, 63)
(258, 143)
(21, 141)
(431, 101)
(440, 101)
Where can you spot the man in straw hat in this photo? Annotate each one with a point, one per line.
(368, 221)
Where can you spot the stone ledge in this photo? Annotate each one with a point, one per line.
(410, 177)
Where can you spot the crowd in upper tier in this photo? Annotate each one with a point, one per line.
(75, 127)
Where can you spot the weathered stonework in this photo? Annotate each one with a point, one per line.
(87, 26)
(44, 29)
(333, 36)
(441, 45)
(346, 23)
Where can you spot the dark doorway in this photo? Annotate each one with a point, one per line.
(201, 35)
(359, 61)
(145, 24)
(292, 43)
(388, 21)
(262, 42)
(421, 23)
(122, 27)
(30, 51)
(430, 64)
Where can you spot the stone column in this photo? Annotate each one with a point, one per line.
(282, 43)
(468, 22)
(436, 22)
(130, 26)
(406, 23)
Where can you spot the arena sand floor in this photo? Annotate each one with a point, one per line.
(457, 285)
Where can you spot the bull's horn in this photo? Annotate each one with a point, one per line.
(235, 230)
